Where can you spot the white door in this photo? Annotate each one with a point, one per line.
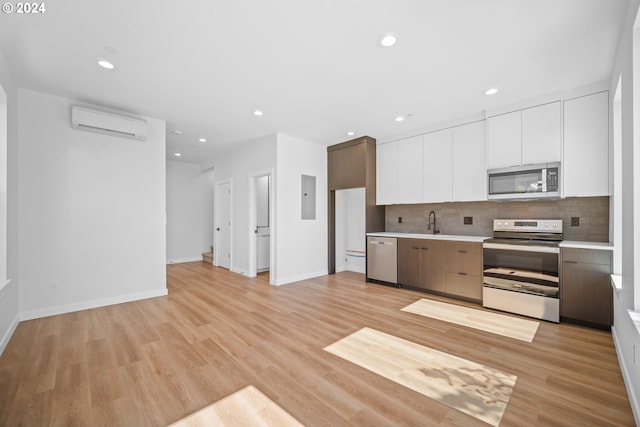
(223, 228)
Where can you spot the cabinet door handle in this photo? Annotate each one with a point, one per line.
(425, 249)
(462, 274)
(415, 247)
(571, 262)
(463, 252)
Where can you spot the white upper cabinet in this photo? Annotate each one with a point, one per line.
(542, 134)
(410, 169)
(438, 164)
(585, 163)
(469, 171)
(532, 135)
(387, 173)
(504, 140)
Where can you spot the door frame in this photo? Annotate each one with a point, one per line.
(253, 241)
(216, 236)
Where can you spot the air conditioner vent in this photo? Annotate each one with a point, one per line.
(108, 123)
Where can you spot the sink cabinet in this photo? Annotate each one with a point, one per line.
(421, 264)
(448, 267)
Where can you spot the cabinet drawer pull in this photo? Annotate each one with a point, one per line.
(462, 274)
(571, 262)
(415, 247)
(425, 249)
(462, 252)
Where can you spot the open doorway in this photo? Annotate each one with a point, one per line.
(260, 222)
(350, 230)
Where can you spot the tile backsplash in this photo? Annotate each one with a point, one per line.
(593, 214)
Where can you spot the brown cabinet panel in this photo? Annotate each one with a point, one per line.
(464, 285)
(347, 167)
(464, 247)
(589, 256)
(433, 268)
(585, 289)
(464, 262)
(409, 255)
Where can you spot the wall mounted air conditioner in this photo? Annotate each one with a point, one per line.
(108, 123)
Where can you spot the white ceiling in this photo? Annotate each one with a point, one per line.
(314, 68)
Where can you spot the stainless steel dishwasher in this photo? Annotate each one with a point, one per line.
(382, 259)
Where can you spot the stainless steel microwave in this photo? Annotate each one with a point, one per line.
(525, 182)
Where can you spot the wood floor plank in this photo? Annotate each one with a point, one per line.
(474, 389)
(246, 407)
(156, 361)
(507, 326)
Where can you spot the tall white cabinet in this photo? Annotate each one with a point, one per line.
(387, 173)
(438, 157)
(410, 170)
(586, 146)
(469, 173)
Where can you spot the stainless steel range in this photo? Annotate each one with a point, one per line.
(521, 267)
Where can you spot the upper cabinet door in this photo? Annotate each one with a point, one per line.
(504, 140)
(469, 170)
(410, 170)
(585, 162)
(347, 167)
(387, 173)
(438, 167)
(542, 134)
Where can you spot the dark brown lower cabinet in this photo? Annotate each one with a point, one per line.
(421, 264)
(586, 295)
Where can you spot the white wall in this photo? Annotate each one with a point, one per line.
(189, 211)
(350, 230)
(625, 333)
(301, 245)
(237, 165)
(9, 289)
(91, 211)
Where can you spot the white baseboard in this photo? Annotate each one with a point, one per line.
(298, 278)
(239, 271)
(7, 336)
(181, 260)
(627, 375)
(69, 308)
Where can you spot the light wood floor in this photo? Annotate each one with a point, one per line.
(156, 361)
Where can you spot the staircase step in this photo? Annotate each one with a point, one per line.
(207, 256)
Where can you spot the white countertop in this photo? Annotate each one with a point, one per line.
(459, 238)
(604, 246)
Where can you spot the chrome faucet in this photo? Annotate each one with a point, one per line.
(434, 230)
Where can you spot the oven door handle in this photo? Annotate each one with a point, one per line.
(524, 248)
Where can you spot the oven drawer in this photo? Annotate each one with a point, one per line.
(525, 304)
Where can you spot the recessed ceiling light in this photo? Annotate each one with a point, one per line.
(202, 140)
(387, 40)
(351, 133)
(177, 132)
(106, 64)
(177, 154)
(258, 113)
(491, 91)
(399, 119)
